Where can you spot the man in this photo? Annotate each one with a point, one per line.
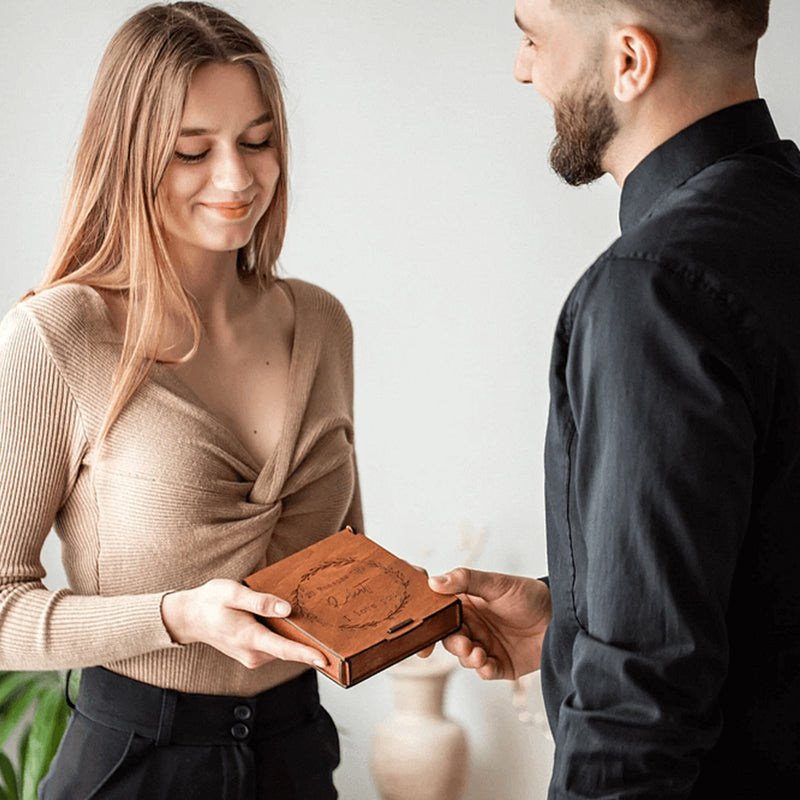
(671, 654)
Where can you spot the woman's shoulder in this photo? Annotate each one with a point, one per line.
(70, 321)
(66, 308)
(314, 294)
(310, 297)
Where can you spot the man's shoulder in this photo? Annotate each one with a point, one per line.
(728, 212)
(730, 231)
(639, 291)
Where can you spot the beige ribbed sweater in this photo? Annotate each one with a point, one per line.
(170, 500)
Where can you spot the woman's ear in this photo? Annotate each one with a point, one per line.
(635, 59)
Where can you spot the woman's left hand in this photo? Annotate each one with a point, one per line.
(221, 613)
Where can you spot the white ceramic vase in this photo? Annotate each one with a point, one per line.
(418, 753)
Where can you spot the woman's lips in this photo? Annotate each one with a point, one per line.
(230, 210)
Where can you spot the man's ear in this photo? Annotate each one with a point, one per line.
(635, 59)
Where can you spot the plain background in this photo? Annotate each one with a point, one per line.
(421, 197)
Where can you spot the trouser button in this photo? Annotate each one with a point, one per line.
(240, 731)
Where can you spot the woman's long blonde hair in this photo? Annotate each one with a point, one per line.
(111, 237)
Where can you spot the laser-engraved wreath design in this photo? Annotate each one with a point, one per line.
(349, 595)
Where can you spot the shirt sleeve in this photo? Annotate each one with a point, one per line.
(662, 472)
(43, 443)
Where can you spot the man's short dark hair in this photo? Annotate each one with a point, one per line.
(734, 26)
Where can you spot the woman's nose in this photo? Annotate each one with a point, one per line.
(232, 173)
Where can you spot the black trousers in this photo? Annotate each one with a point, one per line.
(128, 740)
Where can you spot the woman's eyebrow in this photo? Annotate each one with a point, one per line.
(207, 131)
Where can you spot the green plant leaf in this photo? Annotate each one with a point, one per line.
(32, 703)
(9, 790)
(22, 748)
(11, 684)
(16, 710)
(43, 742)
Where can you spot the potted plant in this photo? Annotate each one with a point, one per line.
(33, 707)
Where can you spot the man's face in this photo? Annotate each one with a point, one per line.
(559, 54)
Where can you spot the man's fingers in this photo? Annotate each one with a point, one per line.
(487, 585)
(475, 659)
(453, 582)
(489, 671)
(462, 647)
(471, 655)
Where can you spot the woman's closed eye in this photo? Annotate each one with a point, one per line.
(193, 158)
(264, 144)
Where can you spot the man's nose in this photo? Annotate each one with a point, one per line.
(522, 65)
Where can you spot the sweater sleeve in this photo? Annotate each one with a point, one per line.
(42, 442)
(355, 515)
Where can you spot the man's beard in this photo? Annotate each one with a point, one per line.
(585, 126)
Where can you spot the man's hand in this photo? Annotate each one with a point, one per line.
(505, 619)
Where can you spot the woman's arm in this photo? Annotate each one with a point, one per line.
(42, 443)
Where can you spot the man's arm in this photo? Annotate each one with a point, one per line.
(661, 393)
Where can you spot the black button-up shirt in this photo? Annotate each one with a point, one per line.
(672, 663)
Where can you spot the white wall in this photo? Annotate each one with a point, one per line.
(421, 197)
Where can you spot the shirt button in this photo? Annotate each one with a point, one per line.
(243, 712)
(240, 731)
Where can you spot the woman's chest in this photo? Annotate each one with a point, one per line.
(248, 391)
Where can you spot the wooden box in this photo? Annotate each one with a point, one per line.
(363, 607)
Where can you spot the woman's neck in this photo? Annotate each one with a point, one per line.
(214, 282)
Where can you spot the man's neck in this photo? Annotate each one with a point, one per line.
(666, 110)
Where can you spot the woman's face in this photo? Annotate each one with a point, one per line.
(223, 173)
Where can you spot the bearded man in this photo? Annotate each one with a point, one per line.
(669, 636)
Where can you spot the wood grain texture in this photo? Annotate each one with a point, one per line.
(364, 607)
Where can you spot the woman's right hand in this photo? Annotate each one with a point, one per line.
(221, 613)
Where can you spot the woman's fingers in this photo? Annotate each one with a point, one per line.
(221, 613)
(259, 603)
(285, 649)
(268, 641)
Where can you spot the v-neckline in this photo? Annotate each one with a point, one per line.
(163, 374)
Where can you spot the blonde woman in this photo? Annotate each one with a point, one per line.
(182, 417)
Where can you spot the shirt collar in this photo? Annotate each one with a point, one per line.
(721, 134)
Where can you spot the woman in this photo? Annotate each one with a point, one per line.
(183, 418)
